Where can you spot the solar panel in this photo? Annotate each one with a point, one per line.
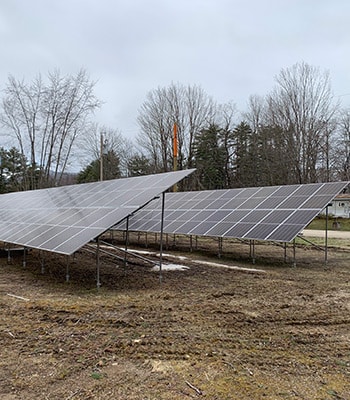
(63, 219)
(276, 213)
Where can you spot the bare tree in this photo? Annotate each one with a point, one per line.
(256, 113)
(302, 106)
(113, 141)
(20, 114)
(225, 119)
(189, 107)
(156, 124)
(340, 147)
(45, 119)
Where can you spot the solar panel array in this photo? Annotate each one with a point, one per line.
(63, 219)
(276, 213)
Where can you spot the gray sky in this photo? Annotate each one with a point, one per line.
(231, 48)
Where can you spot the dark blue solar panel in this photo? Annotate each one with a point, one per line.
(269, 213)
(63, 219)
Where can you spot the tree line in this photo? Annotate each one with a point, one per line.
(297, 133)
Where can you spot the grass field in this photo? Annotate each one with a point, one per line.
(320, 223)
(219, 330)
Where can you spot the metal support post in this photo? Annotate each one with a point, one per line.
(294, 257)
(42, 262)
(24, 263)
(67, 268)
(326, 239)
(220, 247)
(161, 239)
(98, 284)
(126, 244)
(8, 255)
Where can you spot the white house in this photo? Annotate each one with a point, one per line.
(340, 206)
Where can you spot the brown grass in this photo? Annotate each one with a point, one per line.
(206, 332)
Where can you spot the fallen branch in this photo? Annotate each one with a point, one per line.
(18, 297)
(230, 364)
(72, 395)
(198, 391)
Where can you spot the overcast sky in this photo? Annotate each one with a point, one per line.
(230, 48)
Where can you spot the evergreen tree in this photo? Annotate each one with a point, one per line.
(261, 157)
(210, 158)
(91, 173)
(273, 158)
(111, 169)
(13, 170)
(244, 157)
(140, 165)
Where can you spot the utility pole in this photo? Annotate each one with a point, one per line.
(325, 149)
(175, 153)
(101, 157)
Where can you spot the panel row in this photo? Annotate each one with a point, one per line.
(63, 219)
(277, 213)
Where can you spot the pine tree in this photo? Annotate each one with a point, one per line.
(210, 158)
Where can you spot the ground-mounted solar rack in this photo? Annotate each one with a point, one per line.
(64, 219)
(273, 213)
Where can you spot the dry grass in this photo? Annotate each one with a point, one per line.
(204, 332)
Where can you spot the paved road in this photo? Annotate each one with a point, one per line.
(331, 233)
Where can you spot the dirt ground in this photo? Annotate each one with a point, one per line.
(273, 331)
